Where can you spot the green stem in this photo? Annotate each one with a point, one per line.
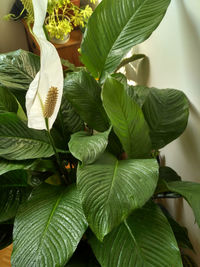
(59, 163)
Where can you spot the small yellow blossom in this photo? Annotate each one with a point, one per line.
(77, 19)
(87, 12)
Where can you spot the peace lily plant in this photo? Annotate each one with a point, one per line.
(81, 191)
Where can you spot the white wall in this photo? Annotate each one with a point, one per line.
(12, 33)
(174, 54)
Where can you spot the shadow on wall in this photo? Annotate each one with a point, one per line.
(190, 36)
(190, 144)
(188, 26)
(138, 71)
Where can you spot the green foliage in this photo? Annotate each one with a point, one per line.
(52, 223)
(14, 190)
(104, 176)
(84, 93)
(8, 102)
(28, 6)
(180, 233)
(111, 189)
(18, 142)
(144, 239)
(40, 165)
(87, 148)
(165, 110)
(127, 119)
(190, 191)
(136, 20)
(68, 120)
(18, 69)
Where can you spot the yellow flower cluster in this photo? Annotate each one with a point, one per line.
(63, 16)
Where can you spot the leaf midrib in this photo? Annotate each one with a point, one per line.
(118, 37)
(47, 226)
(128, 151)
(134, 241)
(112, 182)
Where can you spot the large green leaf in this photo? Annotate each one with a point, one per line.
(10, 200)
(191, 192)
(114, 28)
(84, 93)
(69, 119)
(48, 227)
(7, 101)
(18, 69)
(17, 178)
(87, 148)
(166, 111)
(40, 165)
(127, 119)
(166, 174)
(18, 142)
(114, 145)
(112, 189)
(138, 93)
(13, 191)
(145, 239)
(180, 233)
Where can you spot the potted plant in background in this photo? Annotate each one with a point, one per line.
(79, 203)
(63, 18)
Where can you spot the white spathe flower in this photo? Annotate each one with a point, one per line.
(50, 74)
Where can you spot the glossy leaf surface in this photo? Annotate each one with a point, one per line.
(7, 101)
(180, 232)
(13, 191)
(114, 28)
(166, 111)
(18, 142)
(127, 119)
(32, 165)
(18, 69)
(87, 148)
(69, 119)
(191, 192)
(144, 239)
(48, 227)
(112, 189)
(84, 93)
